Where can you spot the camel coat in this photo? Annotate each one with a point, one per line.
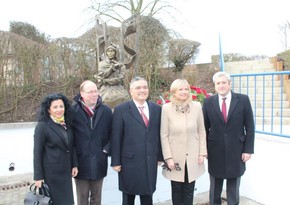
(183, 139)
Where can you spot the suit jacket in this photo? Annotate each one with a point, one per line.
(227, 141)
(183, 139)
(136, 148)
(54, 158)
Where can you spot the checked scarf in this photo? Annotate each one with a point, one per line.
(90, 112)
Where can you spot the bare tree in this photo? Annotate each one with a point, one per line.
(284, 29)
(181, 52)
(119, 10)
(28, 31)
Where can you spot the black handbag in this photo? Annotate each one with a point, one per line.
(38, 196)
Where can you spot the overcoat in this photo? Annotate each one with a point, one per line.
(91, 140)
(54, 158)
(227, 141)
(183, 139)
(136, 148)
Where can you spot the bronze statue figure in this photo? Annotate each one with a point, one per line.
(110, 78)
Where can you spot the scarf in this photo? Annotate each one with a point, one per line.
(60, 121)
(90, 112)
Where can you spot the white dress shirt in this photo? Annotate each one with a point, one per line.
(228, 101)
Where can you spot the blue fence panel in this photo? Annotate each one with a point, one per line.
(269, 102)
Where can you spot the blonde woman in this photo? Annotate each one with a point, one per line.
(183, 141)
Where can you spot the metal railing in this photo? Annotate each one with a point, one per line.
(270, 103)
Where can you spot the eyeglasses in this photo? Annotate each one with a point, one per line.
(165, 166)
(91, 92)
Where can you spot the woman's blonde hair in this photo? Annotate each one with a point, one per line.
(176, 84)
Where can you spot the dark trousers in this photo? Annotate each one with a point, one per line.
(129, 199)
(216, 187)
(182, 193)
(89, 192)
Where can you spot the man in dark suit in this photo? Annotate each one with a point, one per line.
(136, 147)
(91, 129)
(229, 125)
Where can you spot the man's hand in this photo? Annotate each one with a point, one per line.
(246, 157)
(74, 171)
(117, 168)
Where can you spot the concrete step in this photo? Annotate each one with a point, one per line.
(248, 78)
(257, 83)
(259, 90)
(268, 112)
(267, 96)
(267, 105)
(249, 66)
(246, 70)
(276, 120)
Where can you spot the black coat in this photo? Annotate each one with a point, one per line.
(227, 141)
(136, 148)
(54, 159)
(90, 143)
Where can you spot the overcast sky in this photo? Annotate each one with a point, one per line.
(249, 27)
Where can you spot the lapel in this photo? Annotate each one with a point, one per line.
(216, 106)
(84, 116)
(99, 111)
(234, 102)
(151, 114)
(133, 110)
(55, 129)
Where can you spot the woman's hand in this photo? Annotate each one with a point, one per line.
(170, 164)
(38, 183)
(201, 159)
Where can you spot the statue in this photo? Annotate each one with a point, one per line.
(110, 78)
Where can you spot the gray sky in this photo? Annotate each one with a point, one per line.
(246, 26)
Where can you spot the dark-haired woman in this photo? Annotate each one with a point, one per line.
(54, 156)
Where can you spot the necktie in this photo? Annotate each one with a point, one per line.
(224, 109)
(145, 119)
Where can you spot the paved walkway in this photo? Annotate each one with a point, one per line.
(202, 199)
(14, 188)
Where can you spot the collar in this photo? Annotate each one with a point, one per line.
(228, 96)
(145, 104)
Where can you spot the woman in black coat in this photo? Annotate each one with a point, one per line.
(54, 156)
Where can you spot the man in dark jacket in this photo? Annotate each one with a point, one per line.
(230, 131)
(91, 129)
(136, 147)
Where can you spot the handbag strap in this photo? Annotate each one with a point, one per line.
(43, 190)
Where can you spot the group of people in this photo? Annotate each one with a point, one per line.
(75, 140)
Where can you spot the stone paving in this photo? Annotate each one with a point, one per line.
(14, 188)
(202, 199)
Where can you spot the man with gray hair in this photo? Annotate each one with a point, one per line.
(230, 132)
